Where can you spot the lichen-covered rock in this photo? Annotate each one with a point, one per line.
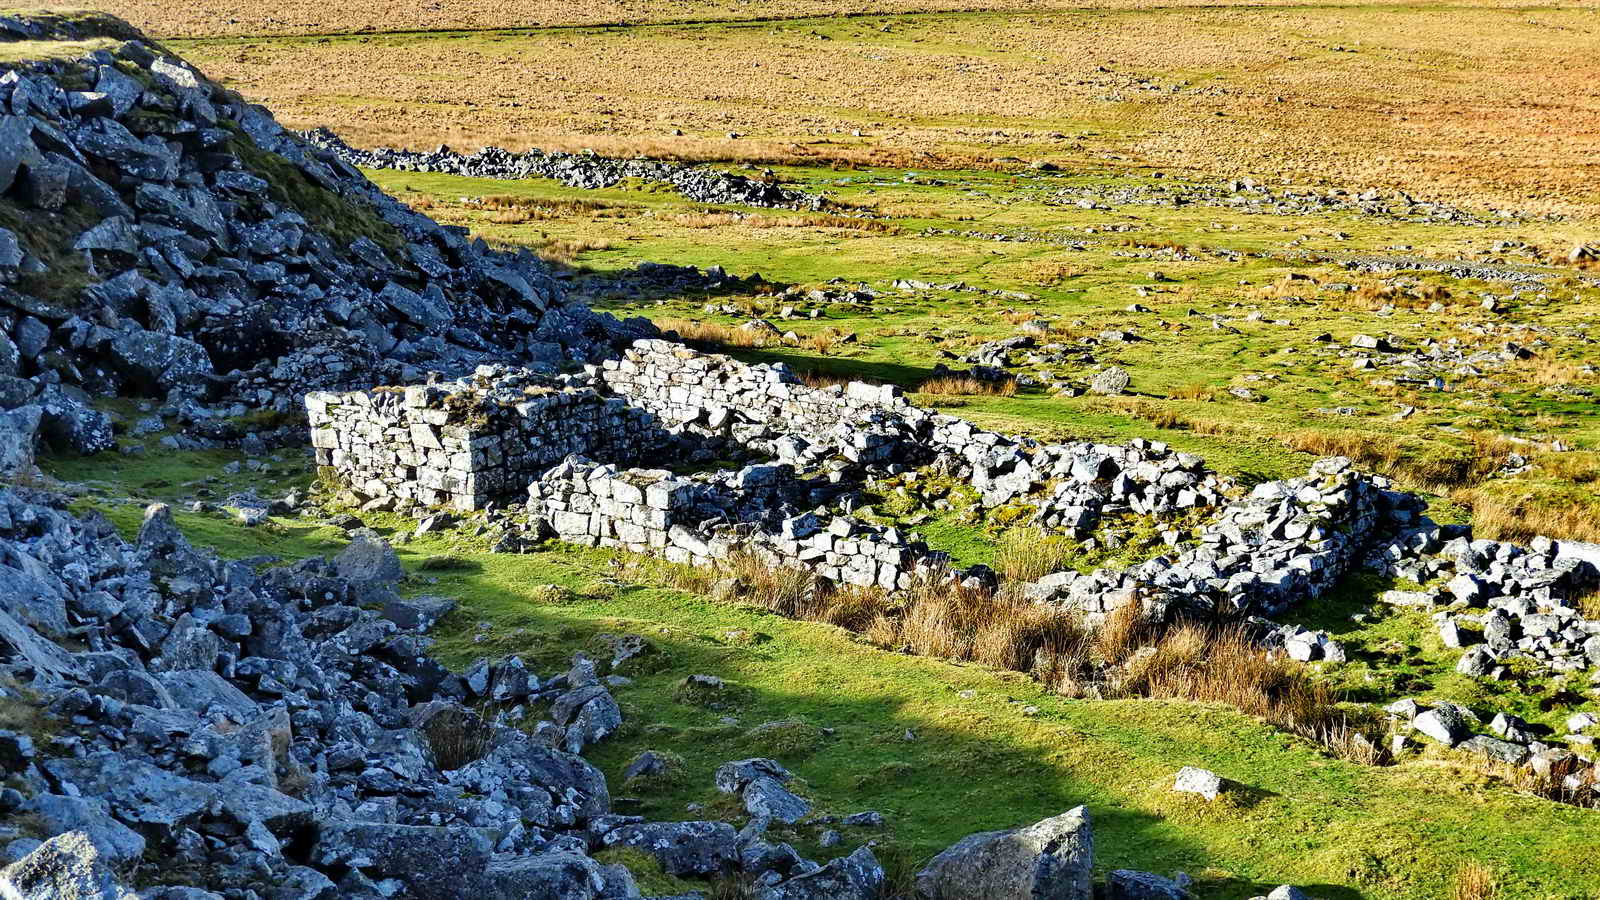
(854, 877)
(66, 867)
(682, 848)
(1048, 860)
(432, 862)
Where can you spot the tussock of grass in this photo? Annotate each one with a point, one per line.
(1474, 881)
(1028, 554)
(968, 386)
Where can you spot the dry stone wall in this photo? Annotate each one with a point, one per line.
(467, 442)
(761, 405)
(704, 518)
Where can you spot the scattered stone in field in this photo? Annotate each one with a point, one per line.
(1125, 884)
(1191, 780)
(1446, 723)
(1110, 381)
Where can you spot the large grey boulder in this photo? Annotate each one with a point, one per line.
(573, 791)
(682, 848)
(19, 433)
(1446, 723)
(556, 875)
(114, 235)
(760, 782)
(854, 877)
(369, 561)
(69, 424)
(116, 843)
(1049, 860)
(153, 801)
(66, 867)
(590, 714)
(434, 862)
(153, 360)
(425, 310)
(1110, 381)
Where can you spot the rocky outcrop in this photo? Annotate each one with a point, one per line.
(175, 241)
(270, 730)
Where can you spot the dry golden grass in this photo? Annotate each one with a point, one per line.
(824, 379)
(1508, 515)
(1509, 117)
(694, 331)
(1474, 881)
(1195, 391)
(565, 252)
(1222, 665)
(967, 386)
(1126, 656)
(1028, 554)
(512, 210)
(1412, 461)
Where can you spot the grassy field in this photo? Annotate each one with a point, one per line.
(1380, 95)
(1238, 304)
(986, 749)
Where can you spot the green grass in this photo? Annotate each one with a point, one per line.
(1182, 370)
(991, 749)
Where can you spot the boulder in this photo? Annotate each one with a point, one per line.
(1204, 782)
(433, 862)
(854, 877)
(1125, 884)
(19, 434)
(66, 867)
(368, 560)
(116, 843)
(1445, 723)
(1110, 381)
(682, 848)
(1049, 860)
(151, 360)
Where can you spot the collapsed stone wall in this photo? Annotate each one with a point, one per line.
(767, 406)
(1286, 542)
(701, 519)
(579, 170)
(760, 405)
(467, 442)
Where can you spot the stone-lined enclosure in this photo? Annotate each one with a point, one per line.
(499, 432)
(803, 453)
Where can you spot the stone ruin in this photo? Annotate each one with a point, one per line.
(465, 444)
(747, 458)
(566, 443)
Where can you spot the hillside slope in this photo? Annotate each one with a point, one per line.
(161, 235)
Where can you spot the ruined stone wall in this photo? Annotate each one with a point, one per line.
(704, 518)
(717, 395)
(464, 443)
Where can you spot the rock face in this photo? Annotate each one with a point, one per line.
(1049, 860)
